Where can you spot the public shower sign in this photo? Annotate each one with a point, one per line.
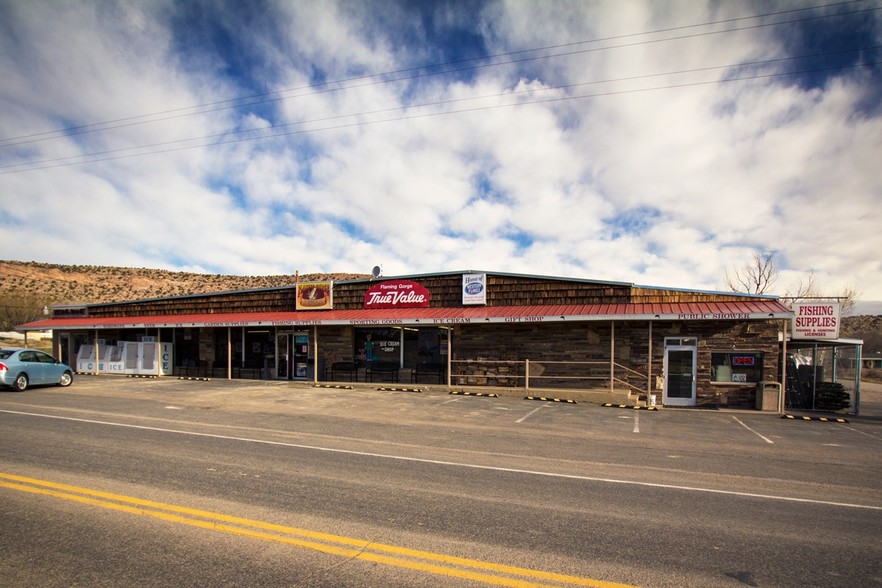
(815, 320)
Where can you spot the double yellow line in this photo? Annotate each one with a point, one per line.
(391, 555)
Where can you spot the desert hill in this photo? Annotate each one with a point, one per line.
(81, 284)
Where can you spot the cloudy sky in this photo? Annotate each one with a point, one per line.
(653, 142)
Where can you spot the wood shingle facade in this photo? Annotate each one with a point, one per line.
(674, 346)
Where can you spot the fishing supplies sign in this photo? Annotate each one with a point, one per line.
(815, 320)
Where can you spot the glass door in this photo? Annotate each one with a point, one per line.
(679, 375)
(292, 356)
(299, 356)
(283, 355)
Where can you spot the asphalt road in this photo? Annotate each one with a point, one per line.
(134, 482)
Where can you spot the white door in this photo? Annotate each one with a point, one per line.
(679, 375)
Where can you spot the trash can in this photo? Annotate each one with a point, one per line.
(768, 396)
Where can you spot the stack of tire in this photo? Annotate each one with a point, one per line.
(831, 396)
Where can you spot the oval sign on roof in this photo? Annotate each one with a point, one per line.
(397, 294)
(474, 288)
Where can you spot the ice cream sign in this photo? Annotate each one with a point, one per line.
(396, 294)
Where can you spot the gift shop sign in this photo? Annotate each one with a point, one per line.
(815, 320)
(397, 294)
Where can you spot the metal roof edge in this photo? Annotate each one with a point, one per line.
(796, 342)
(427, 316)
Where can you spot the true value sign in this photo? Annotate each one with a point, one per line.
(396, 294)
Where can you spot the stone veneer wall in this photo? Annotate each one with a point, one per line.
(336, 343)
(754, 336)
(590, 342)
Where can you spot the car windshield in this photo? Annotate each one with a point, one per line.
(5, 353)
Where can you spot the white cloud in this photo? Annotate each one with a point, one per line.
(665, 187)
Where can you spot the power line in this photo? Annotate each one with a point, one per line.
(427, 104)
(116, 154)
(264, 98)
(234, 137)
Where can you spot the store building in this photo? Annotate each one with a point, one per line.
(458, 329)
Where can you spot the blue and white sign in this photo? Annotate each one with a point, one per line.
(474, 288)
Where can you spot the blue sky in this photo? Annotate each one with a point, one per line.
(650, 142)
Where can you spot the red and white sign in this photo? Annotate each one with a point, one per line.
(397, 294)
(815, 320)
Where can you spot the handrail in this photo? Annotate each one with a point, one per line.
(524, 373)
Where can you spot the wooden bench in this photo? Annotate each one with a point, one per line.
(382, 371)
(344, 368)
(435, 370)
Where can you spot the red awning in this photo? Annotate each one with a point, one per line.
(750, 309)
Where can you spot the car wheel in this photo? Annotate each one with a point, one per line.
(66, 380)
(21, 382)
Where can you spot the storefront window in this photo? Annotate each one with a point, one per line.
(378, 345)
(186, 347)
(432, 346)
(414, 345)
(736, 366)
(258, 345)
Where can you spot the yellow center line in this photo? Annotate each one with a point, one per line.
(391, 555)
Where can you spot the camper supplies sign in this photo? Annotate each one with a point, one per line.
(397, 294)
(815, 320)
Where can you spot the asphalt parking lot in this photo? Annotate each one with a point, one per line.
(245, 393)
(390, 455)
(430, 408)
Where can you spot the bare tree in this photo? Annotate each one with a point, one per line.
(17, 308)
(807, 289)
(848, 297)
(803, 288)
(754, 277)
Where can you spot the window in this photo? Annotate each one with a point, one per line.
(737, 366)
(413, 345)
(383, 344)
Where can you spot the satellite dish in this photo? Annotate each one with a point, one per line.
(376, 271)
